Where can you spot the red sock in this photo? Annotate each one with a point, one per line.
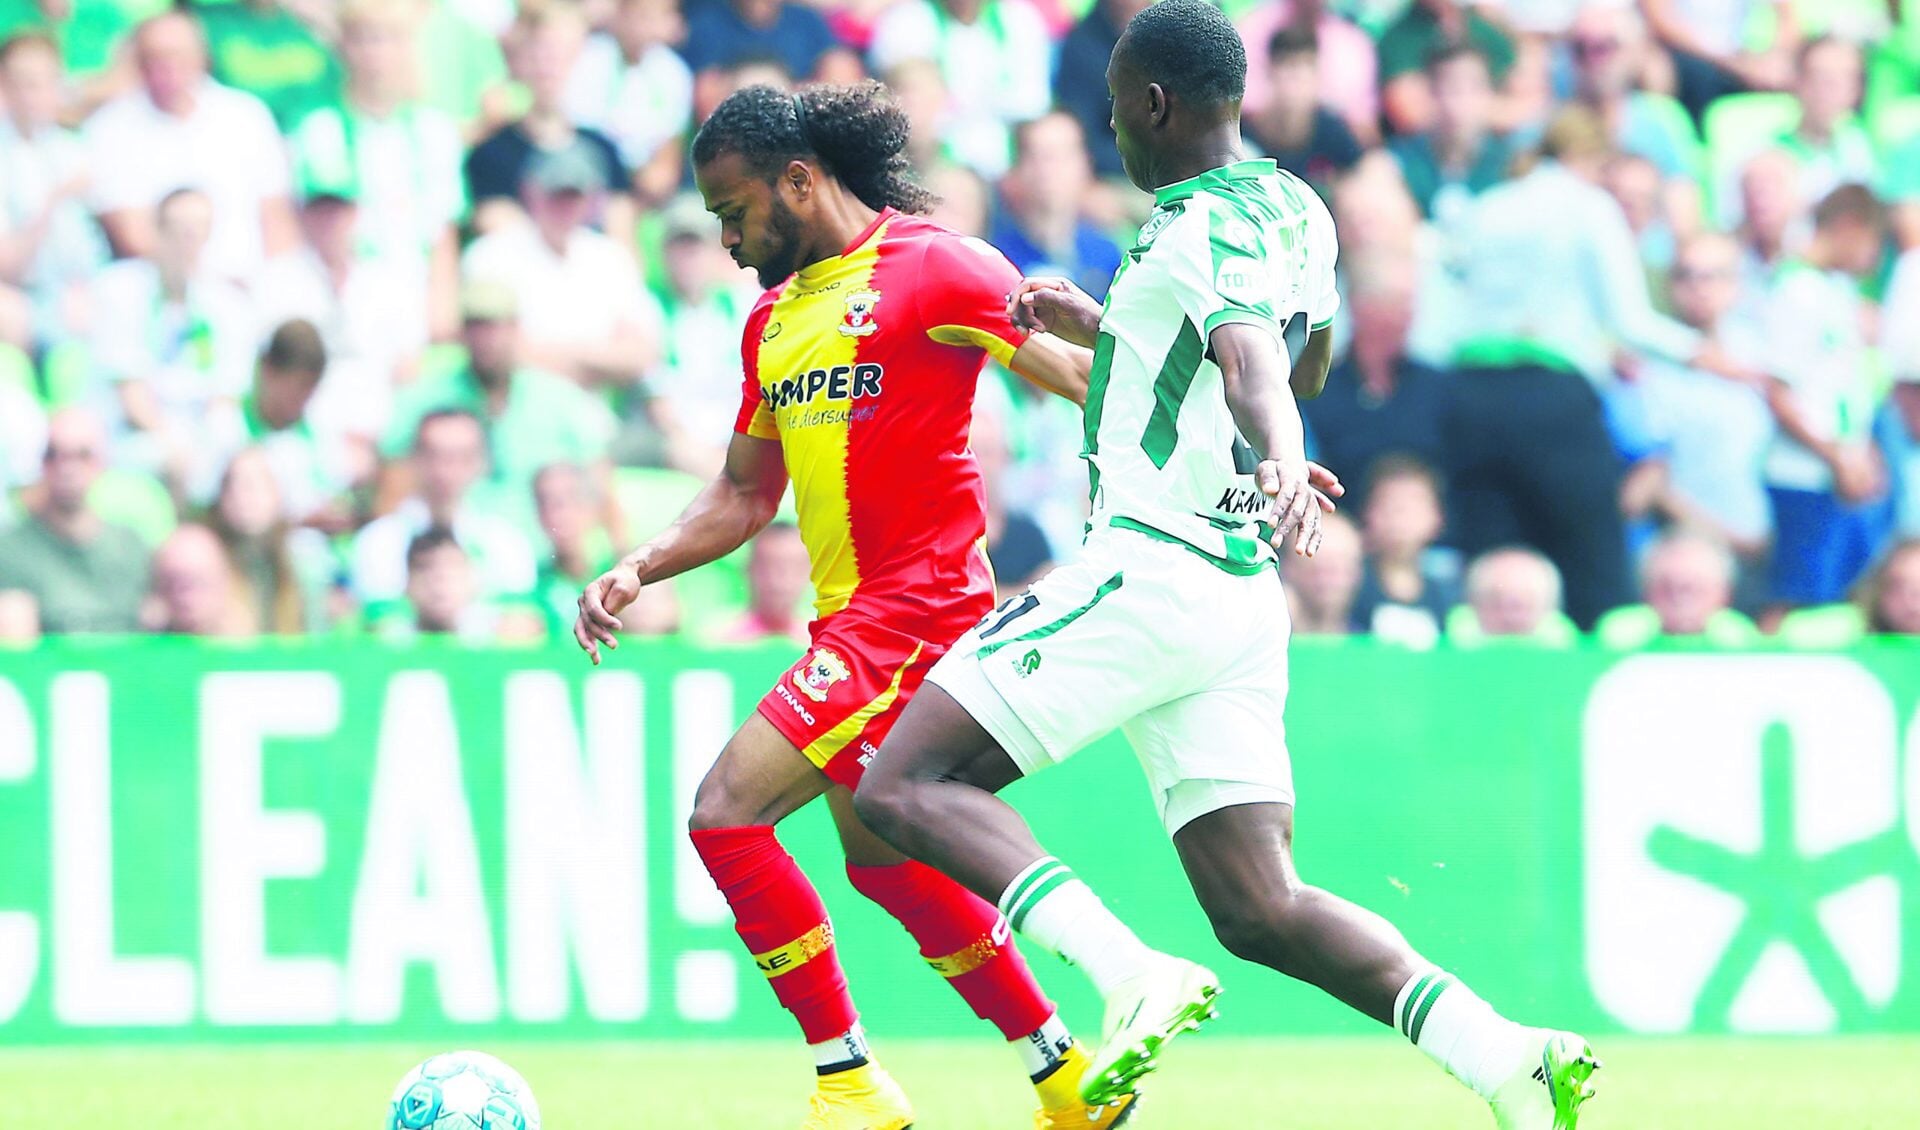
(964, 939)
(784, 924)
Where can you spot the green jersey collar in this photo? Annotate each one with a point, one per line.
(1215, 178)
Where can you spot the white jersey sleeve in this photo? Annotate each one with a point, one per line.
(1323, 254)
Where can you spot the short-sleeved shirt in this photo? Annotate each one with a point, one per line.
(1245, 243)
(1815, 347)
(718, 37)
(266, 51)
(406, 168)
(641, 105)
(228, 148)
(497, 165)
(92, 586)
(863, 366)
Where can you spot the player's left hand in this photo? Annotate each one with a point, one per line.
(1297, 503)
(1326, 485)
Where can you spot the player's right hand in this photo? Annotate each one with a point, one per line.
(600, 605)
(1297, 504)
(1054, 305)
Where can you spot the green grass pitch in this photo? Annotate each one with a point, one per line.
(1296, 1084)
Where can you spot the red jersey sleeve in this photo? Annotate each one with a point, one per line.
(962, 294)
(755, 418)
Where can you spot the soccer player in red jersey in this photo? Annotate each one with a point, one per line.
(861, 361)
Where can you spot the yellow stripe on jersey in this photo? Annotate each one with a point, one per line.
(828, 745)
(996, 346)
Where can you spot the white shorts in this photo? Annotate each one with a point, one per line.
(1147, 635)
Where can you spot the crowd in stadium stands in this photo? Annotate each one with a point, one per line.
(399, 317)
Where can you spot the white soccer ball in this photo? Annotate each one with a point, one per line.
(463, 1091)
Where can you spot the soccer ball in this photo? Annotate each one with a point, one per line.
(463, 1091)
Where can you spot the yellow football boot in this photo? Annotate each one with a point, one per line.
(859, 1098)
(1062, 1108)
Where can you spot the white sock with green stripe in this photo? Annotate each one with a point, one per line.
(1051, 908)
(1461, 1032)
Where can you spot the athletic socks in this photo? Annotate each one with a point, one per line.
(1044, 1049)
(1461, 1032)
(963, 939)
(1048, 906)
(781, 919)
(844, 1052)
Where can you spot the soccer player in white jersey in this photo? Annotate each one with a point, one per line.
(1172, 624)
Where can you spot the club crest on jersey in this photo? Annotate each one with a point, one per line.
(822, 671)
(858, 320)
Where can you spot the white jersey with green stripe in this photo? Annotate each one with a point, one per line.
(1247, 243)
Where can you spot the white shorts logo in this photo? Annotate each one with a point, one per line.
(1742, 843)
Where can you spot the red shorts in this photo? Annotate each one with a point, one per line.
(838, 702)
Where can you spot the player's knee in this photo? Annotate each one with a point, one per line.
(716, 806)
(1258, 929)
(883, 804)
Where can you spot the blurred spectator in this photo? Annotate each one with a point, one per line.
(777, 587)
(173, 341)
(631, 84)
(49, 247)
(1080, 83)
(1609, 45)
(920, 90)
(1707, 39)
(998, 61)
(1016, 546)
(721, 34)
(1826, 478)
(281, 570)
(461, 66)
(1688, 583)
(19, 619)
(449, 458)
(1348, 82)
(687, 406)
(1460, 156)
(1302, 136)
(180, 129)
(444, 597)
(1900, 350)
(23, 439)
(313, 468)
(268, 51)
(397, 157)
(1634, 184)
(1377, 399)
(1408, 585)
(1891, 594)
(543, 46)
(1831, 142)
(577, 551)
(90, 36)
(1709, 435)
(531, 418)
(371, 311)
(583, 309)
(1423, 27)
(195, 592)
(965, 200)
(1042, 227)
(1512, 594)
(1772, 213)
(1554, 288)
(82, 574)
(1321, 589)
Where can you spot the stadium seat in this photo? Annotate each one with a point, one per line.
(1894, 122)
(135, 501)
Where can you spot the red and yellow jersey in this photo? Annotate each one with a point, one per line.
(863, 366)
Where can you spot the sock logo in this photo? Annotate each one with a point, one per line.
(1742, 847)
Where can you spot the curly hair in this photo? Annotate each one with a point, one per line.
(1190, 49)
(857, 134)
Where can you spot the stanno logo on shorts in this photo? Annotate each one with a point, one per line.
(820, 674)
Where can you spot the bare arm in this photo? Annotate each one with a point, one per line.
(1309, 376)
(734, 506)
(1055, 364)
(1667, 28)
(1263, 408)
(279, 229)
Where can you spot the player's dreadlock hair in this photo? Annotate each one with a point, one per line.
(856, 132)
(1191, 49)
